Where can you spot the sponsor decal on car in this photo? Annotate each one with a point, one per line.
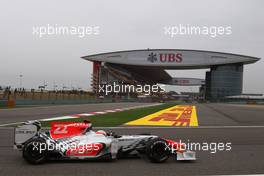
(67, 129)
(85, 150)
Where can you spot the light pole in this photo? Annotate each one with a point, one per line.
(45, 84)
(55, 86)
(20, 81)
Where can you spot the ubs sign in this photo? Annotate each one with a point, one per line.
(165, 57)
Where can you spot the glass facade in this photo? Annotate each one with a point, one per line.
(224, 80)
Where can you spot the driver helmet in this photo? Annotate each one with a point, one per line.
(101, 132)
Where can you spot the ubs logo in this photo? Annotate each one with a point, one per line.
(165, 57)
(152, 57)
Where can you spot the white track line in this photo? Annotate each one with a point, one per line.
(181, 127)
(7, 124)
(162, 127)
(100, 112)
(85, 114)
(110, 111)
(59, 118)
(97, 113)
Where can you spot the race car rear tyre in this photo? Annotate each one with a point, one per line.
(156, 150)
(34, 151)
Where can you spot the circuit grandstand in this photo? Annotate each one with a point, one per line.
(225, 77)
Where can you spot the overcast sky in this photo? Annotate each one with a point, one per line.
(124, 25)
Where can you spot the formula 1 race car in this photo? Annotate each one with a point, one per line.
(77, 140)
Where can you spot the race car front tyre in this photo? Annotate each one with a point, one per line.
(34, 151)
(156, 150)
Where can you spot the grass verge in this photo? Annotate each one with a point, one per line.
(117, 118)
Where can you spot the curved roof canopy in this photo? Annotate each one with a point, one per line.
(150, 65)
(171, 58)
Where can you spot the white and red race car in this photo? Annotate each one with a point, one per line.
(77, 140)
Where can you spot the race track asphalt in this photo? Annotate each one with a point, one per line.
(241, 125)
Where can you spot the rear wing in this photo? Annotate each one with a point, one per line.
(25, 132)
